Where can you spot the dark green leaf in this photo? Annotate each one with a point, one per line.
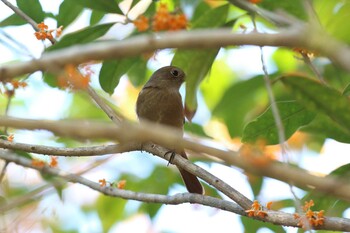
(137, 73)
(68, 12)
(96, 16)
(50, 79)
(293, 116)
(317, 97)
(12, 20)
(82, 36)
(112, 71)
(33, 9)
(197, 63)
(238, 101)
(109, 6)
(201, 9)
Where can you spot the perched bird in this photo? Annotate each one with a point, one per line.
(160, 101)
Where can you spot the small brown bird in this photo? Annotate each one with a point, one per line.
(160, 101)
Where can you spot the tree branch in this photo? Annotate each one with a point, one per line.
(297, 36)
(134, 133)
(275, 217)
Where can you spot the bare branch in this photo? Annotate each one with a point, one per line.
(162, 135)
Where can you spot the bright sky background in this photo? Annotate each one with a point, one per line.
(179, 219)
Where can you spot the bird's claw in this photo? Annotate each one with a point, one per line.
(171, 156)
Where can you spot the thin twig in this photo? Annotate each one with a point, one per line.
(21, 48)
(105, 107)
(3, 171)
(24, 16)
(308, 62)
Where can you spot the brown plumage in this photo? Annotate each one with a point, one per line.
(160, 101)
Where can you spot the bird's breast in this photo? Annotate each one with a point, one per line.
(161, 106)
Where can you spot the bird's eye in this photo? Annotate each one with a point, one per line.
(175, 72)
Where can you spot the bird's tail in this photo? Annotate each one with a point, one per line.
(191, 181)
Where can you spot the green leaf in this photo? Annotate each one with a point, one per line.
(33, 9)
(346, 91)
(83, 107)
(285, 60)
(220, 78)
(256, 183)
(238, 102)
(109, 6)
(196, 63)
(112, 71)
(317, 97)
(12, 20)
(96, 16)
(50, 79)
(82, 36)
(201, 9)
(68, 12)
(332, 15)
(325, 201)
(293, 116)
(294, 7)
(251, 225)
(110, 210)
(195, 129)
(324, 126)
(137, 73)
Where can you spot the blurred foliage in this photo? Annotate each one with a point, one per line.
(311, 111)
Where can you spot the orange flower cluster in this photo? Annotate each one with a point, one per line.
(102, 182)
(256, 210)
(255, 1)
(257, 154)
(53, 161)
(304, 52)
(11, 86)
(163, 20)
(141, 23)
(44, 33)
(17, 84)
(38, 163)
(72, 78)
(10, 138)
(7, 137)
(121, 184)
(314, 218)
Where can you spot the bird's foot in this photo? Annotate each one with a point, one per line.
(171, 156)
